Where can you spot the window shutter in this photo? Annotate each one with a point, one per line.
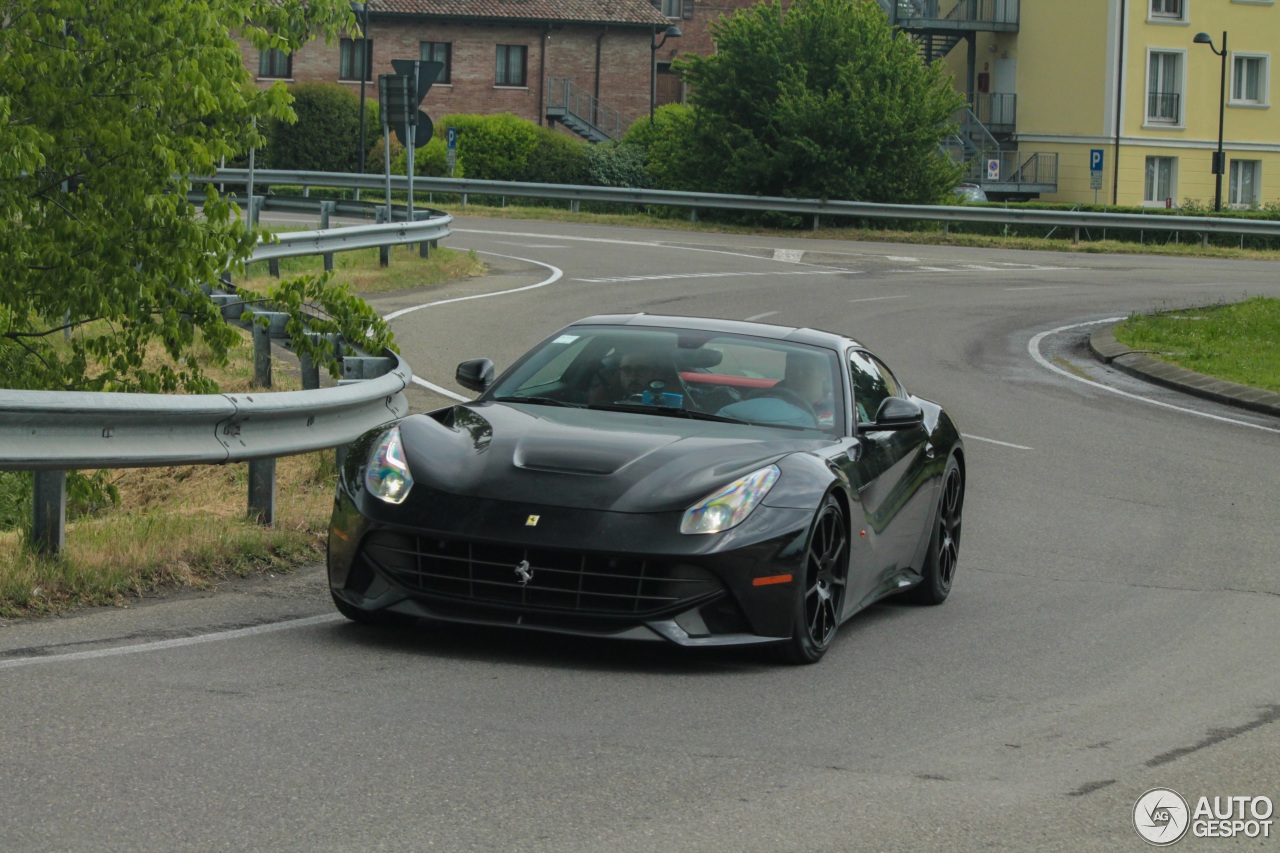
(657, 4)
(688, 10)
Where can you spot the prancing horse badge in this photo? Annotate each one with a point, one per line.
(532, 521)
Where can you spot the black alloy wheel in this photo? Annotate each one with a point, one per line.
(944, 543)
(821, 596)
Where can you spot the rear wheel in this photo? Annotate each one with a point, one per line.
(944, 542)
(820, 597)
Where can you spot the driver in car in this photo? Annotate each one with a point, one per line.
(637, 372)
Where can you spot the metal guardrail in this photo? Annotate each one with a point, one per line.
(813, 207)
(51, 432)
(70, 430)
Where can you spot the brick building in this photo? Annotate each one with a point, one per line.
(581, 63)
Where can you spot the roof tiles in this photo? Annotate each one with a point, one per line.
(565, 11)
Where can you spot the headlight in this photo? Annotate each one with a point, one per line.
(729, 506)
(386, 476)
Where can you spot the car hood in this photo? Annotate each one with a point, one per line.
(586, 458)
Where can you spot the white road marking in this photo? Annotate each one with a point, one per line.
(178, 642)
(905, 259)
(878, 298)
(1033, 347)
(445, 392)
(755, 317)
(793, 256)
(1039, 287)
(530, 245)
(674, 276)
(556, 274)
(993, 441)
(620, 242)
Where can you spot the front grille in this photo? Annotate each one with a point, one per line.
(559, 582)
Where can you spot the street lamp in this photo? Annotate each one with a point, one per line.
(671, 32)
(362, 9)
(1219, 159)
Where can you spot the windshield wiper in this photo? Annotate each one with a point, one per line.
(539, 401)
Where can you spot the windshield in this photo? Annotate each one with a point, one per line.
(682, 372)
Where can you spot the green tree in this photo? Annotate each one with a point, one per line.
(105, 107)
(826, 100)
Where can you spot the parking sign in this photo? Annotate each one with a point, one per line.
(993, 169)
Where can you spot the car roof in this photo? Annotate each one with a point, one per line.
(813, 337)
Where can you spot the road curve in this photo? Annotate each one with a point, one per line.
(1113, 626)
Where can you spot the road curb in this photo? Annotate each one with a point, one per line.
(1108, 350)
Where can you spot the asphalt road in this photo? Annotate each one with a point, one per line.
(1114, 626)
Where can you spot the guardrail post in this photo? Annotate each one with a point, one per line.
(49, 512)
(273, 267)
(573, 206)
(693, 214)
(308, 367)
(1075, 239)
(327, 208)
(261, 355)
(815, 222)
(262, 491)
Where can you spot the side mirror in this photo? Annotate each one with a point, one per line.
(476, 374)
(898, 413)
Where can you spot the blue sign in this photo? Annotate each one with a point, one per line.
(451, 138)
(1095, 159)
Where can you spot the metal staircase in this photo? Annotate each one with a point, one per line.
(581, 112)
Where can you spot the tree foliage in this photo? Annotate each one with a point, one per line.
(826, 100)
(106, 107)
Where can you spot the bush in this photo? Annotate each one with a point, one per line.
(496, 147)
(326, 135)
(617, 164)
(559, 159)
(668, 158)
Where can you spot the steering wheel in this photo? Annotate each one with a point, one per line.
(788, 396)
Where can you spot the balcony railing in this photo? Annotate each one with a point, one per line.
(997, 110)
(957, 14)
(1163, 107)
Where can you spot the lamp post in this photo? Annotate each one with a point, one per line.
(1219, 159)
(362, 9)
(671, 32)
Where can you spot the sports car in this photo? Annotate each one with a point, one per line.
(697, 481)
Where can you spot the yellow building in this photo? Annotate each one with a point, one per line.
(1053, 83)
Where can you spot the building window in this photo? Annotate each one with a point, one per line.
(1159, 183)
(1245, 179)
(1249, 79)
(353, 56)
(275, 64)
(1164, 88)
(511, 65)
(673, 8)
(438, 51)
(1169, 9)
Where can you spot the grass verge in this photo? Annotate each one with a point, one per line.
(360, 269)
(187, 527)
(1238, 342)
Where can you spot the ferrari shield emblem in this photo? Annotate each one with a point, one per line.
(532, 521)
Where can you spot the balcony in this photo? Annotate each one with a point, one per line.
(960, 16)
(998, 111)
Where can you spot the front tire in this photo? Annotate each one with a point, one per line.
(944, 542)
(820, 596)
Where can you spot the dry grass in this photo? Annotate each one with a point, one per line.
(183, 527)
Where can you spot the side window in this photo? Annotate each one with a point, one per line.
(890, 381)
(869, 386)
